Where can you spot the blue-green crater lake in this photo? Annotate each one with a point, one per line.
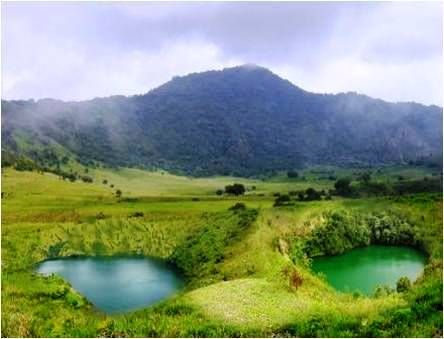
(117, 284)
(363, 269)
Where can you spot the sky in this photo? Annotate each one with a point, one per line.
(78, 51)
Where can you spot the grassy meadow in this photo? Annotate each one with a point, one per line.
(244, 287)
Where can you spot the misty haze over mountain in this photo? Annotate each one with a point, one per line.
(242, 120)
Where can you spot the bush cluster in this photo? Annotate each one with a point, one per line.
(235, 189)
(367, 187)
(310, 194)
(342, 231)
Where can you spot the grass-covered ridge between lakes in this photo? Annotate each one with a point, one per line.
(246, 261)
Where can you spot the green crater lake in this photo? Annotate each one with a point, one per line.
(117, 284)
(363, 269)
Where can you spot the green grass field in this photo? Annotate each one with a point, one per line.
(247, 295)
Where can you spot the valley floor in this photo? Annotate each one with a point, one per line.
(246, 291)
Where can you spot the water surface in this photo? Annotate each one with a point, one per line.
(117, 284)
(363, 269)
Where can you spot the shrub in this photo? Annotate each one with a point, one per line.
(136, 214)
(418, 186)
(235, 189)
(55, 249)
(23, 166)
(312, 194)
(100, 216)
(382, 291)
(238, 207)
(86, 179)
(375, 188)
(282, 200)
(294, 277)
(343, 187)
(341, 231)
(403, 284)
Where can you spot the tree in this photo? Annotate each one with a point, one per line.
(24, 164)
(343, 187)
(235, 189)
(219, 192)
(312, 194)
(282, 200)
(118, 194)
(86, 179)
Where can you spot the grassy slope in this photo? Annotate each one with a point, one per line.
(134, 182)
(40, 211)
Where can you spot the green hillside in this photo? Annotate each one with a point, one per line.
(250, 292)
(240, 121)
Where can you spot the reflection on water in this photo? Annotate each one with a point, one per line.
(117, 284)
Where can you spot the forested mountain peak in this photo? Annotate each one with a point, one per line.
(242, 120)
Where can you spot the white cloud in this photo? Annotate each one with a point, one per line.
(73, 75)
(391, 82)
(84, 50)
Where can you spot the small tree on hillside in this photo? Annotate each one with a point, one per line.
(282, 200)
(312, 194)
(343, 187)
(235, 189)
(118, 194)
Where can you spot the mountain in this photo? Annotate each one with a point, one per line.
(243, 120)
